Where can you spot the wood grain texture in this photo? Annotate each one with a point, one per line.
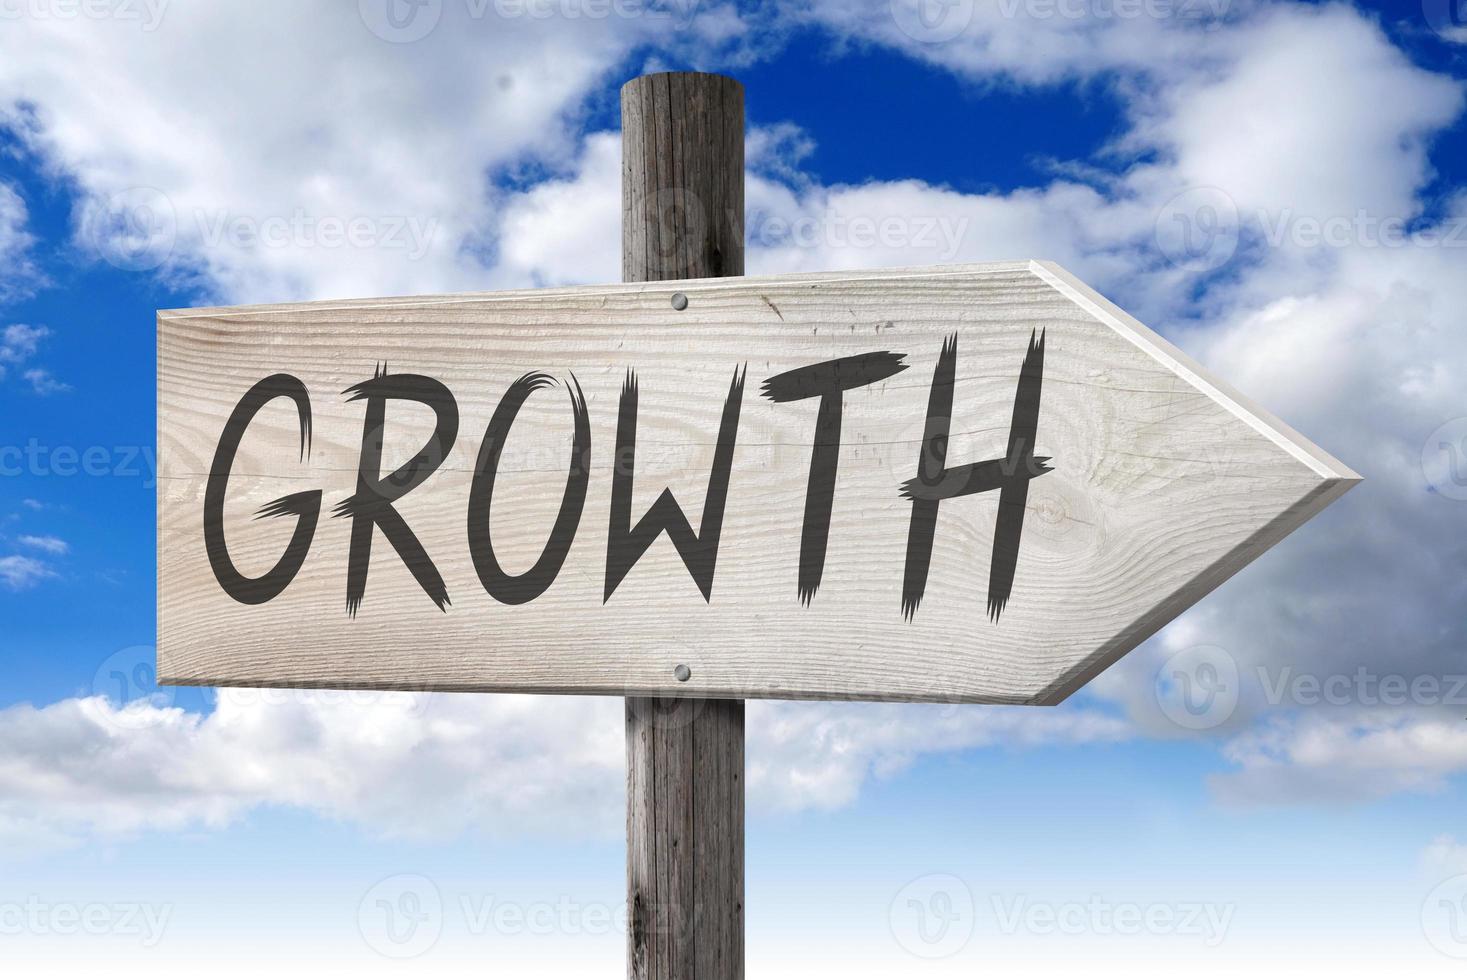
(685, 838)
(682, 177)
(683, 149)
(1165, 483)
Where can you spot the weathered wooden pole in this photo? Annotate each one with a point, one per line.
(682, 196)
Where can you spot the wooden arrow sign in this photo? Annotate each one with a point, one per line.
(979, 483)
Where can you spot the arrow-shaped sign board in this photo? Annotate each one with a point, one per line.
(979, 483)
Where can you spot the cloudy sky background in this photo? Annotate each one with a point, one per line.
(1279, 188)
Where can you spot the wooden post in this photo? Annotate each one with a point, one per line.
(682, 198)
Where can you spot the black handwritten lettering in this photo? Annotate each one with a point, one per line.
(626, 544)
(936, 481)
(304, 506)
(516, 589)
(372, 505)
(829, 380)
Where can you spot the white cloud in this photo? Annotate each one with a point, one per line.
(88, 766)
(1310, 112)
(30, 839)
(330, 162)
(1030, 43)
(568, 229)
(502, 764)
(45, 542)
(18, 343)
(18, 272)
(19, 572)
(819, 756)
(1316, 758)
(44, 383)
(1445, 856)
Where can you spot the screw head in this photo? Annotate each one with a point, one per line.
(680, 301)
(681, 672)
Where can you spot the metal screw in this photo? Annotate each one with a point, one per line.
(681, 671)
(679, 301)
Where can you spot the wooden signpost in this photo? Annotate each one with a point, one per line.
(964, 484)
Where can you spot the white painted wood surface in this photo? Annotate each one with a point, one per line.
(1165, 483)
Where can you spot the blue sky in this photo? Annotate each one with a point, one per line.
(266, 826)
